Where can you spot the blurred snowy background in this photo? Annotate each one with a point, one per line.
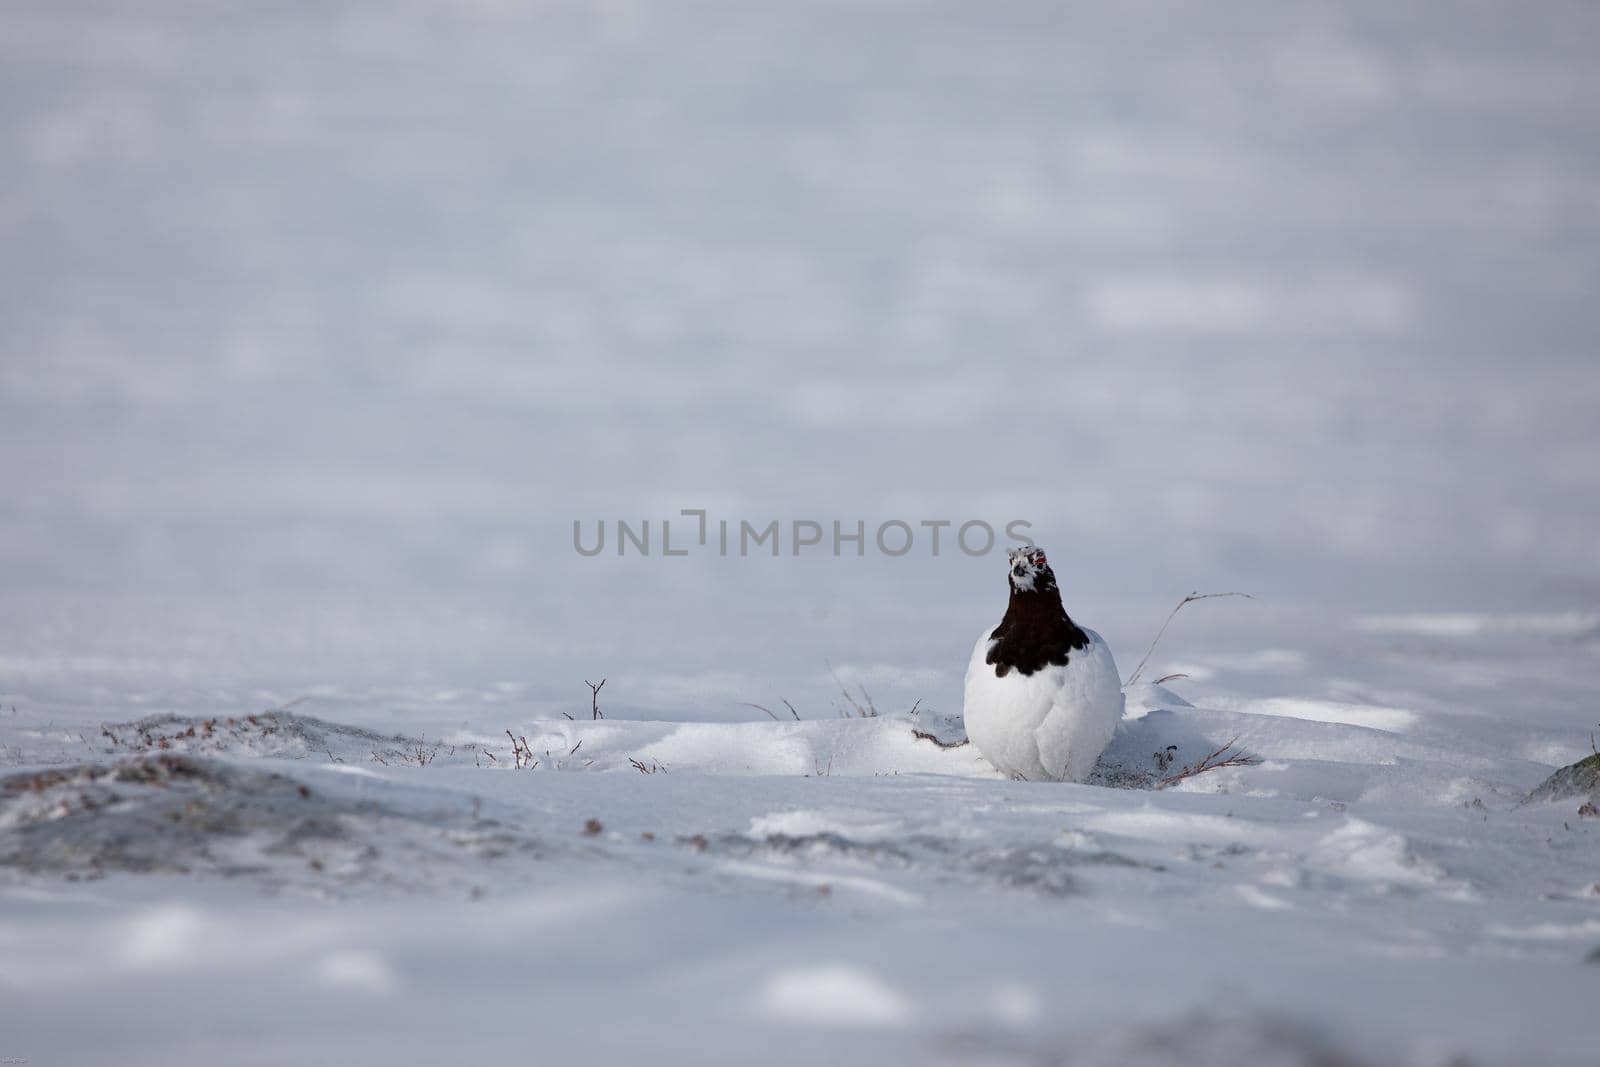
(321, 323)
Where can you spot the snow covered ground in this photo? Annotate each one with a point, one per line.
(322, 323)
(278, 887)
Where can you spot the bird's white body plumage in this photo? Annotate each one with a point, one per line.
(1051, 724)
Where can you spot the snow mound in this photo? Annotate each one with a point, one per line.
(818, 748)
(1361, 851)
(838, 995)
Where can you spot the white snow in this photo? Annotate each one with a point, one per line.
(1393, 720)
(837, 995)
(354, 969)
(1470, 624)
(909, 889)
(324, 322)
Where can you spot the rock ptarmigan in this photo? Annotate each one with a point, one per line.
(1043, 694)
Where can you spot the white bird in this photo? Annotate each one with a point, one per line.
(1043, 694)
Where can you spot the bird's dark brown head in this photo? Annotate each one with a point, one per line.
(1036, 631)
(1030, 573)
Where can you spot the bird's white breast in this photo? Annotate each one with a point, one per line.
(1050, 724)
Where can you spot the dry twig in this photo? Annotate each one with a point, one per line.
(774, 716)
(1210, 762)
(1191, 598)
(521, 752)
(853, 707)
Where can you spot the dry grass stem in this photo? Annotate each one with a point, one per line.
(1221, 757)
(520, 751)
(1190, 599)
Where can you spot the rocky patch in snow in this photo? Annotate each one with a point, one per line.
(183, 814)
(1581, 779)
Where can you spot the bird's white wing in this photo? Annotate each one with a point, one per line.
(1084, 712)
(1000, 713)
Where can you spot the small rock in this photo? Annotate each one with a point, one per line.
(593, 827)
(1578, 779)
